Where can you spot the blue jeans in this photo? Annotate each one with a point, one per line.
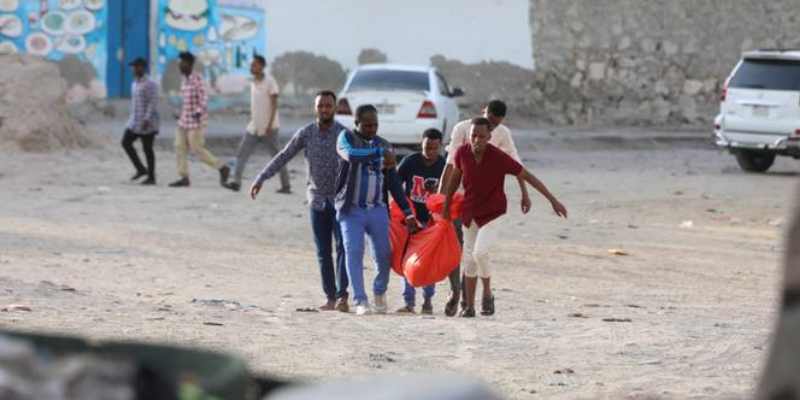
(410, 293)
(374, 221)
(326, 228)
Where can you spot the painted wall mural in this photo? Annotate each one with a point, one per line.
(223, 35)
(69, 32)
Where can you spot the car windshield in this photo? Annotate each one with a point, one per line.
(390, 80)
(768, 75)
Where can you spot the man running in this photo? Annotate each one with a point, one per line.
(192, 124)
(367, 165)
(501, 138)
(419, 173)
(318, 141)
(143, 122)
(264, 125)
(483, 168)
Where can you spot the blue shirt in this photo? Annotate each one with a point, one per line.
(144, 106)
(361, 175)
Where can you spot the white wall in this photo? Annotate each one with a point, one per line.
(408, 31)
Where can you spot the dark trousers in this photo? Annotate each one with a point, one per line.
(456, 285)
(326, 230)
(147, 145)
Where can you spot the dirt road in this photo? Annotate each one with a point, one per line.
(686, 314)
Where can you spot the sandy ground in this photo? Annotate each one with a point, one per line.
(94, 255)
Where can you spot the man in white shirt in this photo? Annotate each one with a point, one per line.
(501, 138)
(264, 124)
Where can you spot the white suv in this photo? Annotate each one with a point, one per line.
(409, 99)
(759, 115)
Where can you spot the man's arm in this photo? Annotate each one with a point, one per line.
(273, 111)
(296, 143)
(527, 176)
(151, 104)
(450, 189)
(201, 106)
(506, 143)
(356, 155)
(396, 189)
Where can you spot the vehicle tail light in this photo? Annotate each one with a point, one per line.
(797, 132)
(428, 110)
(717, 126)
(343, 108)
(724, 93)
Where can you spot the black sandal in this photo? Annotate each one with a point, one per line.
(451, 307)
(468, 312)
(487, 306)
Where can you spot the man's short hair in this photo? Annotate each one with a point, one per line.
(260, 59)
(186, 56)
(432, 134)
(481, 121)
(323, 93)
(497, 108)
(363, 109)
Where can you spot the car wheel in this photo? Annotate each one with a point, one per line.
(754, 161)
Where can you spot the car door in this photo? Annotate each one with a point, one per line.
(449, 105)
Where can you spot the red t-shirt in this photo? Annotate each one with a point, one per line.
(484, 196)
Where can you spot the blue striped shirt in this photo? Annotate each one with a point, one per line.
(361, 174)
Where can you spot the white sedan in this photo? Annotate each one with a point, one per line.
(409, 99)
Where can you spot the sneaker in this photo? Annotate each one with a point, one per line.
(427, 307)
(284, 190)
(487, 306)
(235, 186)
(468, 312)
(149, 182)
(342, 306)
(363, 309)
(224, 173)
(183, 182)
(406, 310)
(380, 304)
(138, 175)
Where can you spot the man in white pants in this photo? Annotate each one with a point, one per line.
(483, 168)
(501, 138)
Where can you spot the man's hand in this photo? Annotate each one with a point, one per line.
(559, 208)
(525, 204)
(197, 116)
(412, 224)
(446, 213)
(254, 189)
(389, 160)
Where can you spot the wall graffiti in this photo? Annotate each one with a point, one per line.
(69, 32)
(223, 34)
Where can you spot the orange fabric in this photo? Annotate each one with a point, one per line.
(432, 254)
(435, 204)
(398, 235)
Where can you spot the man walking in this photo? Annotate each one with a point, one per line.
(483, 168)
(419, 173)
(192, 124)
(318, 141)
(501, 138)
(367, 165)
(143, 122)
(264, 125)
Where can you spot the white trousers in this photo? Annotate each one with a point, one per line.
(478, 242)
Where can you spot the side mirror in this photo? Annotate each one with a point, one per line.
(456, 92)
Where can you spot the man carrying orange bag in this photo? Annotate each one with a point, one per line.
(483, 168)
(419, 174)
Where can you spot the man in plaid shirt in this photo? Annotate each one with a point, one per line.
(143, 122)
(192, 124)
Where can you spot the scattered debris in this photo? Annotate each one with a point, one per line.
(633, 306)
(567, 371)
(617, 320)
(213, 323)
(632, 226)
(617, 252)
(563, 237)
(381, 357)
(578, 315)
(307, 309)
(16, 307)
(687, 224)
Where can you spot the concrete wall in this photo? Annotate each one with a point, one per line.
(646, 61)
